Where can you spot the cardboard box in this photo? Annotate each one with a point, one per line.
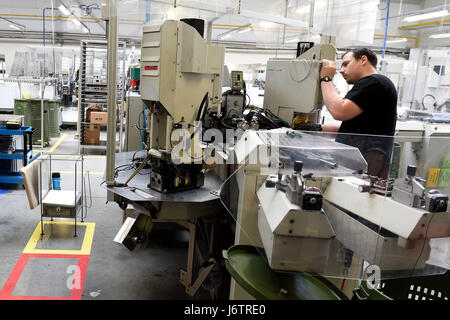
(92, 134)
(98, 117)
(88, 112)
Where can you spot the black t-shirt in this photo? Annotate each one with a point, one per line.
(377, 97)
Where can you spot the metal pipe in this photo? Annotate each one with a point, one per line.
(112, 46)
(42, 111)
(53, 43)
(147, 11)
(285, 15)
(43, 37)
(385, 29)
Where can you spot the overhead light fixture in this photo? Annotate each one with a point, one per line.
(267, 24)
(397, 41)
(425, 16)
(64, 10)
(440, 35)
(225, 36)
(85, 29)
(245, 30)
(13, 26)
(76, 21)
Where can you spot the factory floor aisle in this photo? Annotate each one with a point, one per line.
(90, 266)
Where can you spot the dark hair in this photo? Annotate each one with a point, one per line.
(358, 53)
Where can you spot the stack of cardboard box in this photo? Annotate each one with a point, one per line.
(95, 117)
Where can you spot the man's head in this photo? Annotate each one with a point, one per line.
(358, 63)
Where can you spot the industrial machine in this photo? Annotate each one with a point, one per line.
(317, 210)
(292, 90)
(230, 113)
(180, 78)
(234, 100)
(65, 89)
(170, 182)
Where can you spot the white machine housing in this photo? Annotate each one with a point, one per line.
(178, 67)
(311, 242)
(287, 230)
(292, 85)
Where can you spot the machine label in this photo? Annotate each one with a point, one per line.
(151, 68)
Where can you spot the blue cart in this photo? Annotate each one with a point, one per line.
(25, 154)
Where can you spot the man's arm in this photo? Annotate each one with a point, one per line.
(331, 127)
(341, 109)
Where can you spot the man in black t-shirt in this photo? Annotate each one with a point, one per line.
(369, 108)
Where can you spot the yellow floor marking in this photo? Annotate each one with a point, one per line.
(61, 139)
(36, 237)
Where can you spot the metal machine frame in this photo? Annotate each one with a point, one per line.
(173, 57)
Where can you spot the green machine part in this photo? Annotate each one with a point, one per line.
(249, 268)
(135, 73)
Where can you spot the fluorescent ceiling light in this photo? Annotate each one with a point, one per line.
(429, 15)
(13, 26)
(64, 10)
(267, 24)
(74, 20)
(397, 41)
(245, 30)
(440, 35)
(86, 30)
(225, 36)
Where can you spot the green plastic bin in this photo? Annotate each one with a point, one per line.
(34, 116)
(53, 109)
(20, 106)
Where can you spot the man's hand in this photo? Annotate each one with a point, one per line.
(328, 68)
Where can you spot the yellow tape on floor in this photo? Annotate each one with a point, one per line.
(60, 140)
(36, 238)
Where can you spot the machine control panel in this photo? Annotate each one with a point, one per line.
(237, 80)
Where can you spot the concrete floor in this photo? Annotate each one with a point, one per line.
(113, 272)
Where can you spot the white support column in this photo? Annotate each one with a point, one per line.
(109, 13)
